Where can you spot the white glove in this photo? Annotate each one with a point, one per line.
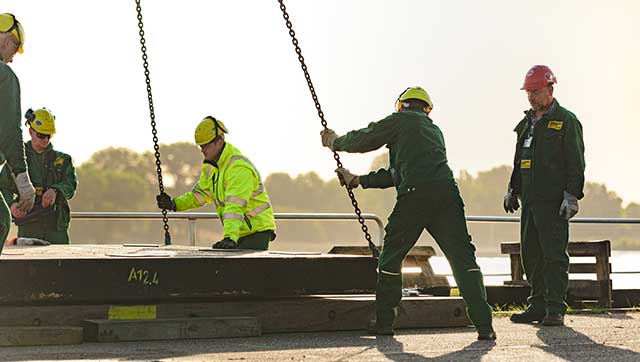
(26, 191)
(346, 177)
(569, 207)
(32, 242)
(48, 198)
(510, 202)
(328, 136)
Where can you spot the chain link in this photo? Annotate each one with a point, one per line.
(154, 131)
(354, 202)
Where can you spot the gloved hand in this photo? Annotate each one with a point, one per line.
(15, 211)
(32, 242)
(166, 202)
(328, 136)
(569, 207)
(225, 243)
(26, 191)
(510, 202)
(346, 177)
(48, 198)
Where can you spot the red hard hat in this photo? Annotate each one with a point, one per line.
(538, 77)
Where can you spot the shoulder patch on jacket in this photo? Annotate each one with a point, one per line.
(557, 125)
(58, 161)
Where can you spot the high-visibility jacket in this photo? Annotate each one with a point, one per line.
(234, 185)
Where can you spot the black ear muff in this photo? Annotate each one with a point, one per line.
(398, 104)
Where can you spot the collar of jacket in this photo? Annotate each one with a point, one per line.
(550, 113)
(227, 152)
(29, 148)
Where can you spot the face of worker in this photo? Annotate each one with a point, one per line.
(39, 141)
(540, 99)
(212, 150)
(8, 48)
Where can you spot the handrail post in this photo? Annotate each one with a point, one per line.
(192, 230)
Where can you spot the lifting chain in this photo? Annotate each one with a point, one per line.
(354, 202)
(156, 147)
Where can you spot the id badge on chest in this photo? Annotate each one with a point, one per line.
(527, 142)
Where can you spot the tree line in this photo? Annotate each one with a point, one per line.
(119, 179)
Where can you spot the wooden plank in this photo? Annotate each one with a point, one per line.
(364, 250)
(139, 280)
(576, 248)
(40, 336)
(299, 314)
(106, 330)
(517, 272)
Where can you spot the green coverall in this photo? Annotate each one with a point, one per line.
(549, 160)
(11, 146)
(50, 169)
(427, 198)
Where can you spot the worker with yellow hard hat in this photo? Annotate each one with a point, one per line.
(234, 185)
(428, 198)
(11, 146)
(54, 177)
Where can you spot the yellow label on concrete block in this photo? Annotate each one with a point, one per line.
(525, 163)
(132, 312)
(557, 125)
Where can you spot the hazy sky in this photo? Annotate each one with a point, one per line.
(234, 60)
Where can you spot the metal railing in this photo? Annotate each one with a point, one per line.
(192, 217)
(578, 220)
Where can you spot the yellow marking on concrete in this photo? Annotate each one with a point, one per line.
(132, 312)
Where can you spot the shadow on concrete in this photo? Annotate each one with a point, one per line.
(571, 345)
(394, 351)
(299, 342)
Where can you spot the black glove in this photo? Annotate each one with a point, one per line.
(510, 202)
(225, 243)
(166, 202)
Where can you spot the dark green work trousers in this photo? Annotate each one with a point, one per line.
(544, 239)
(440, 210)
(5, 220)
(256, 241)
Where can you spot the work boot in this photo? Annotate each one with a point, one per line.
(487, 334)
(528, 316)
(375, 330)
(553, 319)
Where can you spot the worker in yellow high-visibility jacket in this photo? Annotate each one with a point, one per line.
(234, 185)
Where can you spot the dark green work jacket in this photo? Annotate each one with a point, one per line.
(417, 155)
(50, 169)
(11, 146)
(550, 159)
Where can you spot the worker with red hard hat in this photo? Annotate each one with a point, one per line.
(548, 177)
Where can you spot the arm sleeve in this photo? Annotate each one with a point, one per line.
(380, 179)
(67, 186)
(11, 145)
(374, 136)
(241, 181)
(574, 153)
(7, 186)
(198, 196)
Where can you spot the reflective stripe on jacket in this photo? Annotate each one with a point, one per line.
(234, 185)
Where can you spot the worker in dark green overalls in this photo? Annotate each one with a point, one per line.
(427, 198)
(55, 181)
(548, 177)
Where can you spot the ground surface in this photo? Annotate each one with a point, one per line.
(600, 337)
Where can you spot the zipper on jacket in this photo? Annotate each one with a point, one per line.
(246, 219)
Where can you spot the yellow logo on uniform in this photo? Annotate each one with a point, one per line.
(557, 125)
(525, 163)
(58, 161)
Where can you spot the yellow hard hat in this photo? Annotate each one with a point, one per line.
(414, 93)
(208, 129)
(41, 120)
(9, 24)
